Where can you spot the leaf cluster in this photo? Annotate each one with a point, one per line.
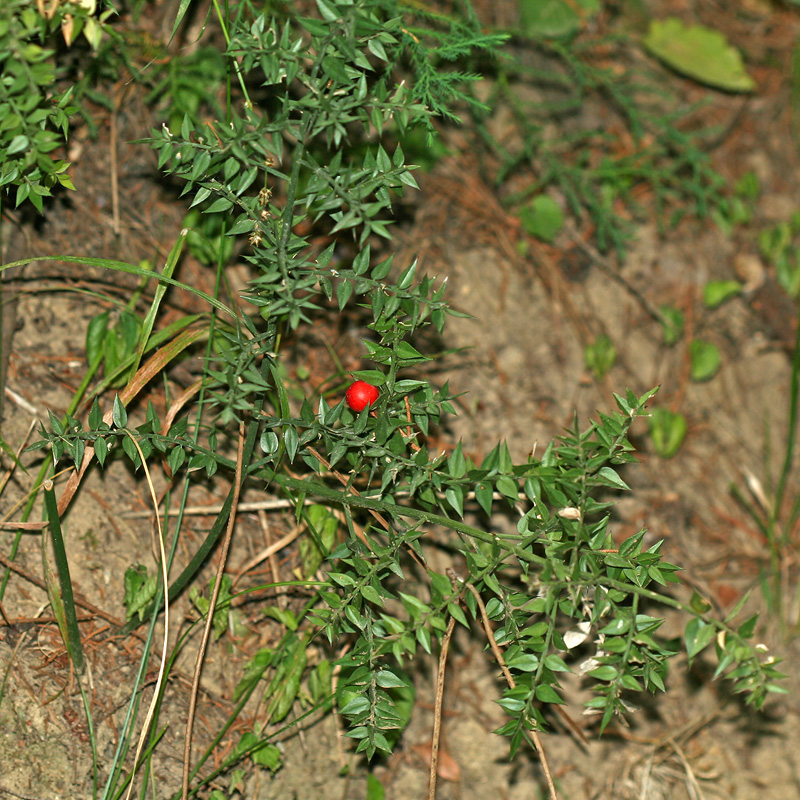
(311, 146)
(33, 117)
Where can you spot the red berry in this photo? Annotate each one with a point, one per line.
(360, 395)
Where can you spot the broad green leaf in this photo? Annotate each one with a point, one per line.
(672, 324)
(542, 218)
(548, 18)
(705, 360)
(715, 293)
(667, 431)
(375, 790)
(698, 636)
(699, 53)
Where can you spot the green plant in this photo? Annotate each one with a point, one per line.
(310, 144)
(778, 244)
(715, 293)
(33, 122)
(600, 356)
(700, 53)
(667, 431)
(705, 360)
(542, 217)
(775, 512)
(738, 209)
(672, 324)
(188, 85)
(642, 162)
(34, 114)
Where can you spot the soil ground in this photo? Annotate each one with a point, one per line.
(523, 376)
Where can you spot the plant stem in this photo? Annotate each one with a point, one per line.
(237, 69)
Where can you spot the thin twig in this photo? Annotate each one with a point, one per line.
(437, 712)
(23, 444)
(212, 606)
(693, 787)
(274, 568)
(3, 790)
(537, 742)
(267, 505)
(213, 510)
(268, 552)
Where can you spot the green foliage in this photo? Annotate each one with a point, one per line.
(188, 85)
(140, 589)
(705, 360)
(307, 166)
(34, 113)
(600, 356)
(32, 125)
(206, 238)
(779, 245)
(542, 217)
(667, 431)
(540, 88)
(739, 207)
(715, 293)
(672, 324)
(224, 617)
(699, 52)
(110, 341)
(554, 18)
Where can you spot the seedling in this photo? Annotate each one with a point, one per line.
(667, 431)
(705, 360)
(715, 293)
(672, 324)
(600, 356)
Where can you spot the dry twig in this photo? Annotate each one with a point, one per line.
(437, 713)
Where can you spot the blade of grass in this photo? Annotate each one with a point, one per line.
(161, 290)
(87, 711)
(73, 638)
(124, 266)
(145, 373)
(156, 605)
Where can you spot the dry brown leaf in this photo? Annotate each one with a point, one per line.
(447, 769)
